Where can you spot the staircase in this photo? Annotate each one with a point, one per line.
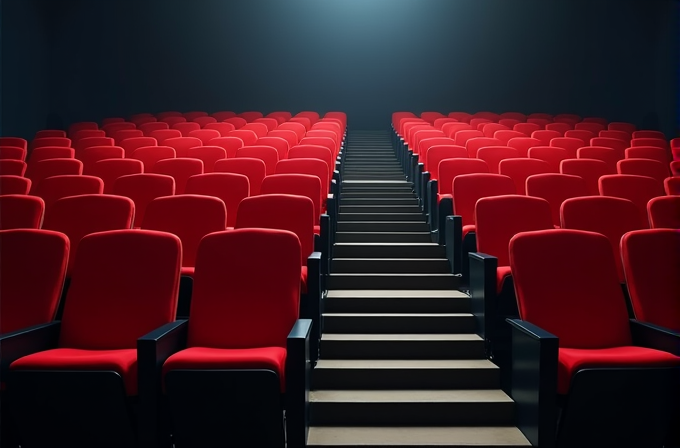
(400, 364)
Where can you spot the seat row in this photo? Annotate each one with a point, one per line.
(119, 370)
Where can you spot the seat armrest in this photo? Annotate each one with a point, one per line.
(656, 337)
(534, 382)
(20, 343)
(451, 235)
(431, 198)
(483, 294)
(153, 349)
(312, 308)
(325, 246)
(298, 367)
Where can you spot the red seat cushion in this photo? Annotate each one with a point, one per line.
(317, 230)
(303, 280)
(442, 196)
(467, 229)
(123, 361)
(197, 358)
(572, 360)
(502, 272)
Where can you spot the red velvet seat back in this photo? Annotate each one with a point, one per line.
(430, 117)
(161, 135)
(589, 313)
(637, 189)
(125, 134)
(51, 152)
(77, 216)
(493, 155)
(189, 216)
(149, 155)
(664, 212)
(520, 169)
(75, 127)
(619, 135)
(424, 146)
(190, 116)
(223, 128)
(671, 186)
(526, 128)
(313, 152)
(250, 115)
(590, 126)
(14, 185)
(248, 137)
(244, 280)
(124, 284)
(32, 268)
(658, 142)
(581, 134)
(644, 133)
(260, 129)
(326, 142)
(289, 136)
(305, 121)
(267, 154)
(559, 127)
(450, 168)
(555, 188)
(590, 170)
(14, 141)
(461, 116)
(280, 144)
(499, 218)
(230, 144)
(313, 167)
(609, 216)
(182, 145)
(463, 136)
(570, 144)
(437, 153)
(238, 122)
(61, 142)
(12, 167)
(298, 128)
(650, 260)
(644, 167)
(419, 136)
(209, 155)
(506, 135)
(180, 169)
(271, 123)
(522, 144)
(20, 211)
(205, 135)
(52, 167)
(83, 143)
(474, 144)
(223, 115)
(57, 187)
(647, 152)
(254, 169)
(203, 121)
(142, 189)
(296, 184)
(93, 154)
(490, 129)
(451, 129)
(12, 152)
(545, 136)
(147, 128)
(186, 127)
(130, 145)
(467, 189)
(280, 211)
(232, 188)
(614, 143)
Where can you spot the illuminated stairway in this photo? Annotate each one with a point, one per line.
(400, 362)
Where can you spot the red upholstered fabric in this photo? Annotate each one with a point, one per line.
(507, 135)
(467, 189)
(161, 135)
(142, 189)
(110, 170)
(14, 185)
(209, 155)
(280, 211)
(555, 188)
(124, 134)
(522, 144)
(50, 133)
(298, 128)
(320, 141)
(280, 144)
(149, 155)
(570, 144)
(612, 133)
(248, 137)
(430, 116)
(586, 314)
(671, 186)
(52, 167)
(451, 129)
(83, 143)
(545, 136)
(593, 127)
(608, 216)
(51, 141)
(130, 145)
(271, 123)
(237, 122)
(644, 167)
(12, 152)
(450, 168)
(232, 188)
(559, 127)
(182, 144)
(124, 284)
(303, 279)
(608, 155)
(180, 169)
(658, 142)
(502, 273)
(14, 141)
(526, 128)
(614, 143)
(171, 121)
(424, 134)
(202, 358)
(582, 134)
(303, 151)
(647, 152)
(32, 268)
(499, 218)
(223, 128)
(77, 216)
(203, 121)
(571, 360)
(260, 129)
(51, 152)
(87, 133)
(664, 212)
(190, 217)
(313, 167)
(250, 115)
(123, 361)
(651, 259)
(638, 189)
(461, 138)
(267, 154)
(186, 127)
(437, 153)
(75, 127)
(254, 169)
(474, 144)
(493, 155)
(223, 115)
(12, 167)
(491, 128)
(20, 211)
(289, 136)
(295, 184)
(147, 128)
(57, 187)
(520, 169)
(590, 170)
(461, 116)
(230, 144)
(89, 156)
(205, 135)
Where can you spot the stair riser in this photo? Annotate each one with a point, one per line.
(378, 201)
(368, 195)
(395, 379)
(381, 217)
(429, 413)
(400, 305)
(383, 227)
(374, 237)
(392, 283)
(402, 349)
(363, 209)
(429, 251)
(387, 266)
(398, 325)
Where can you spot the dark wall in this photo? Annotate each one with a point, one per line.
(365, 57)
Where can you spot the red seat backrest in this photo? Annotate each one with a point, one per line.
(254, 169)
(142, 189)
(522, 144)
(149, 155)
(644, 167)
(205, 135)
(20, 211)
(493, 155)
(556, 188)
(163, 134)
(664, 212)
(209, 155)
(265, 153)
(182, 145)
(54, 188)
(314, 167)
(180, 169)
(520, 169)
(111, 169)
(545, 136)
(571, 144)
(638, 189)
(467, 189)
(590, 170)
(147, 128)
(223, 128)
(232, 188)
(296, 184)
(230, 145)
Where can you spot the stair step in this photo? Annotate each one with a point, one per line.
(383, 226)
(395, 323)
(377, 201)
(411, 407)
(416, 436)
(389, 250)
(393, 281)
(383, 237)
(391, 265)
(401, 346)
(379, 209)
(350, 374)
(419, 217)
(396, 301)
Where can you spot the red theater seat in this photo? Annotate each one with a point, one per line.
(20, 211)
(209, 155)
(148, 128)
(182, 145)
(553, 156)
(671, 186)
(230, 144)
(223, 128)
(54, 188)
(590, 170)
(14, 185)
(205, 135)
(51, 141)
(254, 169)
(43, 169)
(179, 169)
(12, 152)
(161, 135)
(51, 152)
(267, 154)
(644, 167)
(520, 169)
(142, 189)
(647, 152)
(637, 189)
(556, 188)
(93, 154)
(664, 212)
(110, 170)
(232, 188)
(149, 155)
(130, 145)
(12, 167)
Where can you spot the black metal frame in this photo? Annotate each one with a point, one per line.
(605, 407)
(457, 246)
(311, 306)
(211, 405)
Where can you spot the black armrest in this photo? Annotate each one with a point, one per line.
(20, 343)
(482, 293)
(425, 199)
(332, 210)
(445, 209)
(298, 367)
(656, 337)
(325, 245)
(534, 382)
(336, 173)
(152, 351)
(452, 234)
(312, 306)
(431, 197)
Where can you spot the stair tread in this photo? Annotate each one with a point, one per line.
(364, 274)
(400, 337)
(453, 436)
(388, 244)
(373, 315)
(391, 259)
(397, 293)
(410, 396)
(405, 364)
